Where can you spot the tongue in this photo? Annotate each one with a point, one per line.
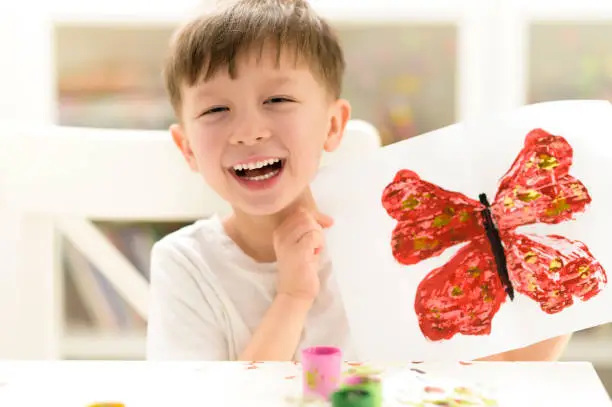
(259, 171)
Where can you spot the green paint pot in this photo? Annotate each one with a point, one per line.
(353, 397)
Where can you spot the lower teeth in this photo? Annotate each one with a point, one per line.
(263, 177)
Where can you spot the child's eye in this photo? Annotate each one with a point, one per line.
(216, 109)
(277, 99)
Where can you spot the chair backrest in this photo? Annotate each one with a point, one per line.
(118, 174)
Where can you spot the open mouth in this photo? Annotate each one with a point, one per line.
(260, 170)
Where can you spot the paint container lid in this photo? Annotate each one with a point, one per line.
(321, 352)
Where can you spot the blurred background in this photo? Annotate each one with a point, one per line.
(411, 69)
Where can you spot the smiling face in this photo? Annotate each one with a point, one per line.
(257, 136)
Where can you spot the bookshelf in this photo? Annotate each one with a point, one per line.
(570, 60)
(421, 65)
(393, 81)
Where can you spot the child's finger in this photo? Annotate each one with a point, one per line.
(324, 220)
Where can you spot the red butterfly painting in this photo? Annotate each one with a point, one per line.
(463, 295)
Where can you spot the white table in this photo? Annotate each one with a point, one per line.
(146, 384)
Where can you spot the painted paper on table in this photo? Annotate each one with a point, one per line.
(477, 238)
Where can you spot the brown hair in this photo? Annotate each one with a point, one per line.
(213, 41)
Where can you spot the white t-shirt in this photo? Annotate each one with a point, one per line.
(208, 297)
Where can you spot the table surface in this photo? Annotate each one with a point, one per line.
(239, 384)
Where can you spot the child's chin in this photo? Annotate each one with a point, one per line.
(266, 208)
(272, 203)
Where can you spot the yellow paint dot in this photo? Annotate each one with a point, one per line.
(528, 196)
(486, 296)
(425, 243)
(555, 265)
(560, 205)
(531, 283)
(531, 257)
(410, 203)
(474, 272)
(441, 220)
(547, 162)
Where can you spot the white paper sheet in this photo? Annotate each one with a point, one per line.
(379, 292)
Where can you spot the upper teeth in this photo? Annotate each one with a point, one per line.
(255, 165)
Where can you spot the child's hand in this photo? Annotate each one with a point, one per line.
(297, 243)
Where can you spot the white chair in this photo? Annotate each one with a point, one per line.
(57, 179)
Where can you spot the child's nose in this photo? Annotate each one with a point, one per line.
(250, 137)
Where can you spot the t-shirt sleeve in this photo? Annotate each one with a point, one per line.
(182, 324)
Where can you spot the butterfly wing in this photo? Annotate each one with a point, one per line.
(430, 219)
(553, 270)
(538, 188)
(462, 296)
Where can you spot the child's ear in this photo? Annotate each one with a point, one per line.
(181, 141)
(341, 115)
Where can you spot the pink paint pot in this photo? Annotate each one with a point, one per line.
(321, 371)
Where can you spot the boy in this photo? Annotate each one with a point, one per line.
(256, 87)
